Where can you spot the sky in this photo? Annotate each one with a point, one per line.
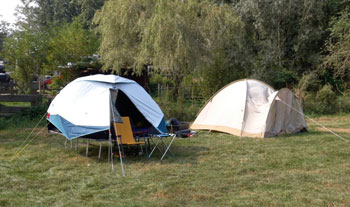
(7, 10)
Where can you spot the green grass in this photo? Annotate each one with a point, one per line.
(211, 169)
(18, 104)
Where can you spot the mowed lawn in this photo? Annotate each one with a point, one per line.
(211, 169)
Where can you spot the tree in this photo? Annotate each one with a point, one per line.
(44, 13)
(338, 46)
(4, 31)
(68, 46)
(26, 52)
(288, 36)
(175, 37)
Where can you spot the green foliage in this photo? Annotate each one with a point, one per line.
(317, 97)
(209, 42)
(228, 57)
(277, 76)
(325, 101)
(4, 31)
(310, 83)
(44, 13)
(26, 51)
(33, 113)
(32, 53)
(26, 118)
(157, 78)
(286, 35)
(181, 110)
(327, 98)
(339, 47)
(69, 44)
(218, 75)
(344, 102)
(174, 36)
(120, 24)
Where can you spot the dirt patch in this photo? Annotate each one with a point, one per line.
(331, 119)
(340, 130)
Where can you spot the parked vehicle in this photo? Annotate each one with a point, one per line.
(4, 78)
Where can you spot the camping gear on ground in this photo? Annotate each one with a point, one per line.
(88, 106)
(251, 108)
(183, 133)
(180, 128)
(173, 125)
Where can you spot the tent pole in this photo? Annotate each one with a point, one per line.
(245, 107)
(120, 155)
(111, 145)
(109, 151)
(87, 148)
(76, 145)
(116, 133)
(99, 152)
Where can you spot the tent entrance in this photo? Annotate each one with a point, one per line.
(125, 107)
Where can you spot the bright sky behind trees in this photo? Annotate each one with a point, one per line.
(7, 10)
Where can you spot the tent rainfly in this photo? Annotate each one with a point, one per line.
(251, 108)
(87, 106)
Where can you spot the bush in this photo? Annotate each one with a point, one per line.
(343, 103)
(309, 103)
(181, 110)
(27, 118)
(322, 102)
(327, 99)
(280, 77)
(310, 82)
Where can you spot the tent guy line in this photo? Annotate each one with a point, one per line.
(23, 145)
(337, 135)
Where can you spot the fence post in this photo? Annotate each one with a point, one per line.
(158, 90)
(192, 91)
(167, 90)
(11, 87)
(39, 86)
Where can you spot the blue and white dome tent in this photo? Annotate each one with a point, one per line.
(87, 106)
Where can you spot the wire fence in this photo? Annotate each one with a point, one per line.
(190, 94)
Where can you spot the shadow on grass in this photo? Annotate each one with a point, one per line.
(176, 154)
(297, 135)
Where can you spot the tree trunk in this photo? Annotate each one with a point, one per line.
(177, 78)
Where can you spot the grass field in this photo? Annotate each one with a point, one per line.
(211, 169)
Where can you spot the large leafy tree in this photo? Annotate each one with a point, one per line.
(175, 37)
(26, 51)
(44, 13)
(288, 35)
(338, 47)
(50, 34)
(68, 46)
